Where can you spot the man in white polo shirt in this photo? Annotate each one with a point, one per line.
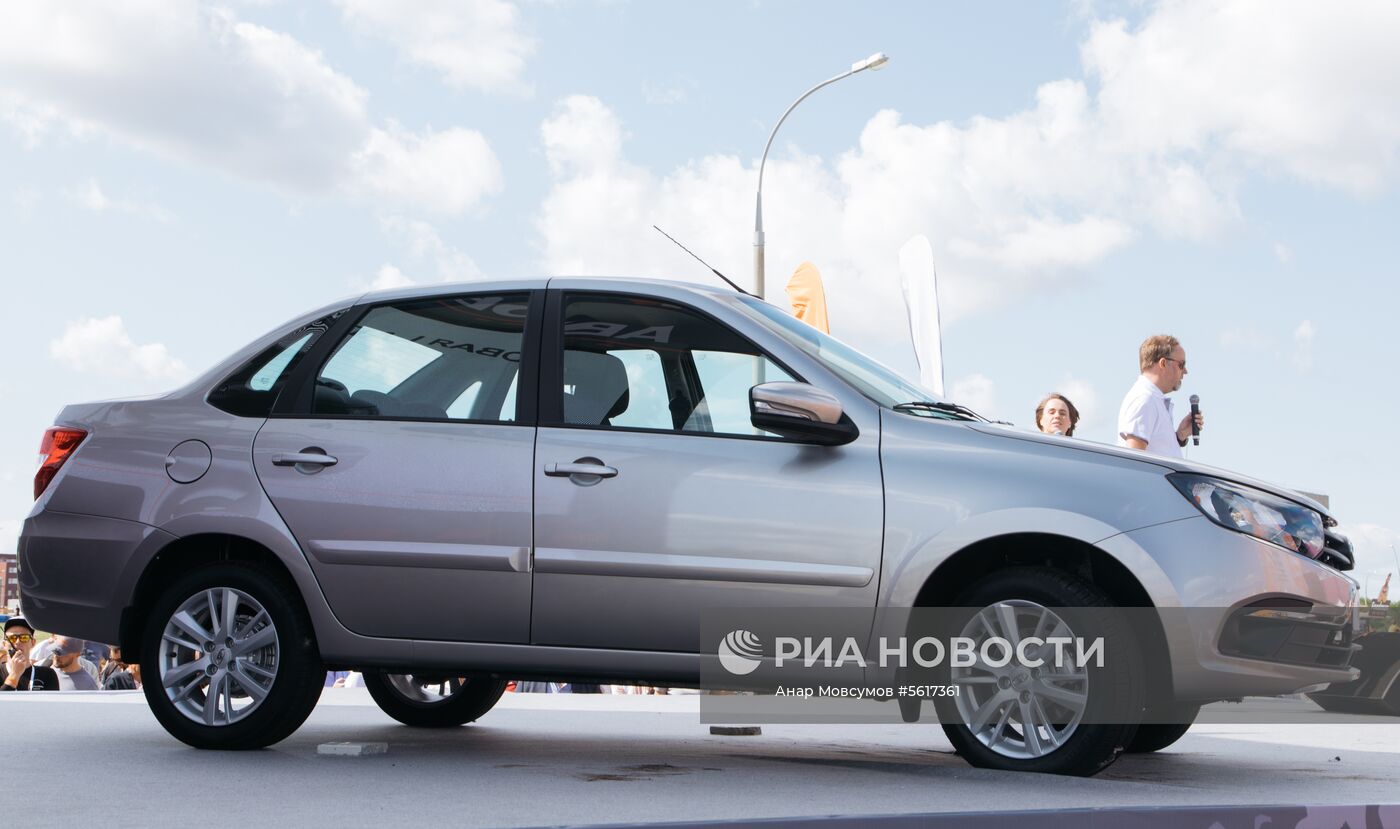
(1145, 418)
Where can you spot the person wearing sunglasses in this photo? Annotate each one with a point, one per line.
(67, 663)
(20, 673)
(1145, 418)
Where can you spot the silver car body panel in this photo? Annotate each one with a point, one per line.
(562, 584)
(696, 523)
(419, 531)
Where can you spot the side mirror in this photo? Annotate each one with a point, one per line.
(800, 412)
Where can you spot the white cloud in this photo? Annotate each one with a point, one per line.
(389, 276)
(582, 137)
(1153, 138)
(977, 392)
(425, 246)
(1283, 253)
(1303, 345)
(976, 193)
(198, 85)
(102, 346)
(445, 172)
(91, 196)
(479, 44)
(1302, 88)
(31, 121)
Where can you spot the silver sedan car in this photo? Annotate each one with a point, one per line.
(558, 478)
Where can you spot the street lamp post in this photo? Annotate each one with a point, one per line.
(875, 61)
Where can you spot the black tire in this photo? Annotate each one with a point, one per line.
(297, 674)
(1115, 692)
(1155, 736)
(466, 702)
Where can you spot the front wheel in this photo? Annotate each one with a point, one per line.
(1055, 717)
(433, 701)
(1155, 736)
(230, 658)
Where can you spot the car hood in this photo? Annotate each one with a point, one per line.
(1172, 464)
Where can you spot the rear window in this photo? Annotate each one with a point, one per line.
(446, 358)
(253, 388)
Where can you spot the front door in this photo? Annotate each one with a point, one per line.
(656, 500)
(406, 477)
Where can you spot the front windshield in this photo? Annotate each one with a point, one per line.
(871, 379)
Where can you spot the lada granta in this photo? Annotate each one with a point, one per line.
(556, 478)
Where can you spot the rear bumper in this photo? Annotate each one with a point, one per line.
(77, 572)
(1219, 578)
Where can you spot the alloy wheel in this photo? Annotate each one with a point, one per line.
(1018, 711)
(426, 689)
(219, 655)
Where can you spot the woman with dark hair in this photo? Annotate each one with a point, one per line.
(1056, 415)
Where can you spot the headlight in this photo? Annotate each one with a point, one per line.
(1252, 512)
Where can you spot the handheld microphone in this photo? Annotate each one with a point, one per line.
(1195, 410)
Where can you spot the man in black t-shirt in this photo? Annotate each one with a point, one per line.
(20, 673)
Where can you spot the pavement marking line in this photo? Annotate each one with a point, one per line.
(352, 749)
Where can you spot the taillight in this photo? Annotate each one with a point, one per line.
(59, 442)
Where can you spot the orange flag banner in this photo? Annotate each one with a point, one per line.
(808, 297)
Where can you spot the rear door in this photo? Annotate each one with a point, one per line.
(402, 465)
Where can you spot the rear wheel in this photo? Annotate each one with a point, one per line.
(230, 659)
(433, 700)
(1059, 717)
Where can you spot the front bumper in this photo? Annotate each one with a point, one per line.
(77, 572)
(1219, 644)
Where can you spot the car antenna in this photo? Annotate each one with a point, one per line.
(726, 279)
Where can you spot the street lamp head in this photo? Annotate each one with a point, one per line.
(875, 61)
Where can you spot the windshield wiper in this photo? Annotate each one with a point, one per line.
(938, 406)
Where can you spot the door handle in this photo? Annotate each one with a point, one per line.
(565, 470)
(309, 457)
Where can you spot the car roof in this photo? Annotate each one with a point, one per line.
(602, 283)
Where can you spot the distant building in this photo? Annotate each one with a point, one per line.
(9, 581)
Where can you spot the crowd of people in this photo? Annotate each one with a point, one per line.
(61, 663)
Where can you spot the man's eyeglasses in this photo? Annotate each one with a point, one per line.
(19, 638)
(1181, 363)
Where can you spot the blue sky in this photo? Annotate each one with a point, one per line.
(177, 178)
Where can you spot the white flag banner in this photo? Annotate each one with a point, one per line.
(920, 284)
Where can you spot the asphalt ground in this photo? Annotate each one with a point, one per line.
(540, 760)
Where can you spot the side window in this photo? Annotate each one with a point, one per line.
(454, 358)
(638, 363)
(253, 388)
(647, 401)
(726, 378)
